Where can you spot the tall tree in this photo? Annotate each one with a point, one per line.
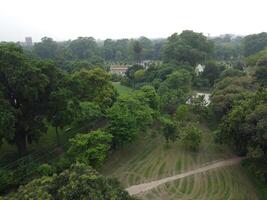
(189, 47)
(26, 88)
(93, 85)
(84, 48)
(46, 49)
(227, 91)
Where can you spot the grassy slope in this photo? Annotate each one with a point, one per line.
(121, 89)
(149, 159)
(47, 142)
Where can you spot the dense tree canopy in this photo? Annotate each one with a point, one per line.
(26, 88)
(93, 85)
(78, 182)
(245, 128)
(227, 91)
(254, 43)
(175, 90)
(90, 148)
(189, 46)
(127, 117)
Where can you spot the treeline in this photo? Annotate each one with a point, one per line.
(86, 52)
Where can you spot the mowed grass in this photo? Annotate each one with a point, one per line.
(149, 159)
(122, 90)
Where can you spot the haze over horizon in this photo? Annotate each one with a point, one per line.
(101, 19)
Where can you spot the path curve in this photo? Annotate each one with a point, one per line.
(136, 189)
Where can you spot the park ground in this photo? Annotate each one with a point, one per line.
(151, 159)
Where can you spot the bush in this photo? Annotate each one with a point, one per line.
(6, 179)
(46, 170)
(191, 136)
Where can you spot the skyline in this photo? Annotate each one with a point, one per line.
(102, 19)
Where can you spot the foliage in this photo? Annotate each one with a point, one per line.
(227, 91)
(93, 85)
(187, 47)
(175, 90)
(245, 129)
(253, 59)
(90, 148)
(88, 115)
(182, 112)
(78, 182)
(26, 88)
(231, 72)
(46, 170)
(169, 129)
(211, 72)
(227, 47)
(84, 48)
(46, 49)
(254, 43)
(148, 95)
(127, 117)
(261, 71)
(191, 136)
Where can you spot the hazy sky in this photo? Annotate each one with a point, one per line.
(68, 19)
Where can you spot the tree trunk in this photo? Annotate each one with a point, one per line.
(58, 139)
(20, 140)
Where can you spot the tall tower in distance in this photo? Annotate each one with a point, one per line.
(28, 41)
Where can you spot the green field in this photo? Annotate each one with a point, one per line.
(122, 90)
(149, 159)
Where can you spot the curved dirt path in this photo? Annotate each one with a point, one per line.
(136, 189)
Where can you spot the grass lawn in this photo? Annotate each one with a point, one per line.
(122, 90)
(149, 159)
(261, 187)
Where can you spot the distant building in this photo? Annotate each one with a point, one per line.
(147, 63)
(28, 41)
(199, 69)
(118, 70)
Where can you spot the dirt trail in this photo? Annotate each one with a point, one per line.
(136, 189)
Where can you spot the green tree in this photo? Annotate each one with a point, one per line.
(149, 95)
(191, 136)
(46, 49)
(78, 182)
(211, 72)
(261, 71)
(93, 85)
(175, 90)
(137, 49)
(84, 48)
(62, 110)
(90, 148)
(189, 47)
(26, 87)
(182, 113)
(231, 72)
(169, 129)
(254, 43)
(89, 114)
(227, 91)
(128, 117)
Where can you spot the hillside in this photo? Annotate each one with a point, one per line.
(150, 159)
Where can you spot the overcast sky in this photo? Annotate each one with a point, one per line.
(68, 19)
